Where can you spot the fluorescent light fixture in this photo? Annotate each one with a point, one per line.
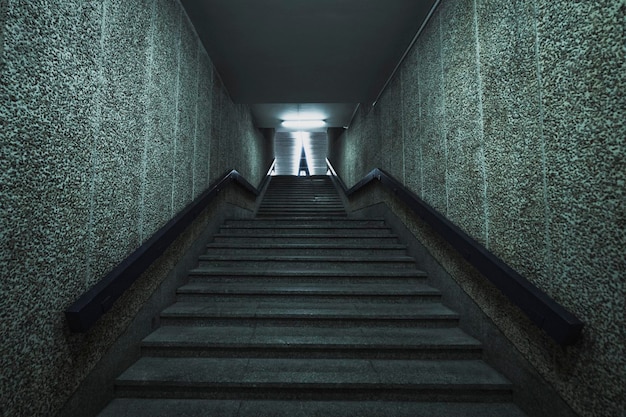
(303, 124)
(303, 115)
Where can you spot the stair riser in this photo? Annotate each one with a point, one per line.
(304, 203)
(311, 392)
(310, 251)
(330, 231)
(310, 239)
(307, 306)
(303, 199)
(280, 214)
(290, 188)
(301, 213)
(323, 188)
(317, 208)
(303, 298)
(295, 279)
(310, 321)
(321, 352)
(286, 190)
(300, 186)
(256, 408)
(305, 206)
(305, 223)
(277, 265)
(308, 197)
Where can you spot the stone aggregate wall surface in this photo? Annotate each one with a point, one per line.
(112, 119)
(513, 126)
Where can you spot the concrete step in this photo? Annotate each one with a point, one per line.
(301, 201)
(304, 311)
(318, 181)
(309, 195)
(286, 191)
(298, 200)
(307, 222)
(305, 263)
(281, 213)
(288, 195)
(309, 276)
(263, 213)
(141, 407)
(302, 211)
(302, 181)
(281, 249)
(320, 192)
(339, 313)
(298, 229)
(302, 238)
(311, 342)
(300, 185)
(313, 379)
(308, 292)
(302, 205)
(306, 200)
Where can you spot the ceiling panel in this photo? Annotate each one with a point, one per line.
(304, 51)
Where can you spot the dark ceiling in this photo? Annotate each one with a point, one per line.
(328, 55)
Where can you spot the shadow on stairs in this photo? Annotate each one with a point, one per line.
(303, 311)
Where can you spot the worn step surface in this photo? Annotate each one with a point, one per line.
(318, 342)
(338, 313)
(303, 311)
(304, 263)
(321, 249)
(310, 237)
(248, 275)
(140, 407)
(312, 378)
(301, 197)
(329, 229)
(308, 291)
(308, 221)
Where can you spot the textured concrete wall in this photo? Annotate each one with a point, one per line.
(112, 119)
(513, 126)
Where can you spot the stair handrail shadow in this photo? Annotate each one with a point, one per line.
(558, 323)
(95, 302)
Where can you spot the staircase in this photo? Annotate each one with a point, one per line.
(290, 196)
(303, 311)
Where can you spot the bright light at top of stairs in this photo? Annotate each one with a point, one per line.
(303, 124)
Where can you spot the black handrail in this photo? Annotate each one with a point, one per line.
(546, 313)
(99, 299)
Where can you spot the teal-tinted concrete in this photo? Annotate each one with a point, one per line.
(513, 127)
(307, 331)
(110, 113)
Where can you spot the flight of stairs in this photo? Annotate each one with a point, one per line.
(303, 311)
(290, 196)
